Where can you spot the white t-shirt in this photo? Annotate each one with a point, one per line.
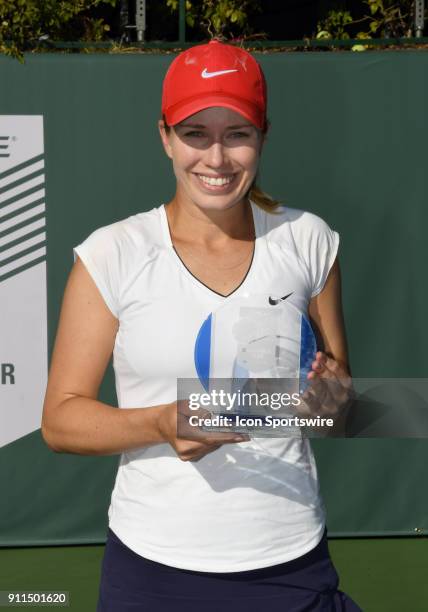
(243, 506)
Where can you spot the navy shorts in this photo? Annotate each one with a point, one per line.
(130, 582)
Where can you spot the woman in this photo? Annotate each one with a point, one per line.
(223, 522)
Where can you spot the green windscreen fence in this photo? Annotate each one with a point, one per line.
(348, 142)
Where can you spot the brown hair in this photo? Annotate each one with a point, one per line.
(257, 195)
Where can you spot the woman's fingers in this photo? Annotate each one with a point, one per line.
(196, 455)
(189, 440)
(331, 386)
(326, 365)
(188, 450)
(328, 368)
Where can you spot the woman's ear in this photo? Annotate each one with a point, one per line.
(263, 138)
(265, 132)
(165, 138)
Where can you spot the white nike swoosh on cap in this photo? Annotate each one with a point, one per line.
(208, 75)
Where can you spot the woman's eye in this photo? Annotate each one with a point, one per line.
(194, 133)
(239, 134)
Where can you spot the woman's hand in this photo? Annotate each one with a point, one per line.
(175, 416)
(330, 390)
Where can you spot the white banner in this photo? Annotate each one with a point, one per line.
(23, 297)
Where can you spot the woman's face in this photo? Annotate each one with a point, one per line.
(215, 155)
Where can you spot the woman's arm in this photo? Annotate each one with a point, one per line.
(326, 312)
(331, 365)
(73, 420)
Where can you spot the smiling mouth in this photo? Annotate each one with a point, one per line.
(216, 182)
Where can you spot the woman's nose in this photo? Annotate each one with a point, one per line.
(215, 155)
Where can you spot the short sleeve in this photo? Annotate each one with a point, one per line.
(323, 244)
(100, 254)
(317, 245)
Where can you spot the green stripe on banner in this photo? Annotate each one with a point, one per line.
(19, 197)
(21, 224)
(30, 249)
(24, 238)
(30, 264)
(22, 209)
(25, 164)
(21, 181)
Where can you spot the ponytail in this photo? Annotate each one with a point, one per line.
(263, 200)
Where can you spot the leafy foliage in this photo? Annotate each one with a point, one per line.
(385, 19)
(31, 24)
(391, 19)
(334, 25)
(25, 22)
(219, 18)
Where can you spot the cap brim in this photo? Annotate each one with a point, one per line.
(186, 109)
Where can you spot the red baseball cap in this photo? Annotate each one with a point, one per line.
(214, 74)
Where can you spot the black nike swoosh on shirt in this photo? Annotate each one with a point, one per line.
(275, 301)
